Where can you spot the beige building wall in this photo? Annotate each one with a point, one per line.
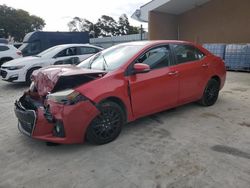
(218, 21)
(162, 26)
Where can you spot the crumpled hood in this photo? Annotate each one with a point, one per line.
(22, 61)
(46, 79)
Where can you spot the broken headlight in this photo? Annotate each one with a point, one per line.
(66, 97)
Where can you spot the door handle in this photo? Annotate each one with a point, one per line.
(172, 73)
(205, 65)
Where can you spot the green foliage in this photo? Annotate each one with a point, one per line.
(108, 26)
(80, 24)
(17, 22)
(125, 28)
(105, 26)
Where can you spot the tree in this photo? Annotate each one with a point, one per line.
(81, 25)
(108, 26)
(134, 30)
(105, 26)
(124, 26)
(17, 22)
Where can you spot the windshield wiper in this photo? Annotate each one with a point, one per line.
(105, 65)
(91, 61)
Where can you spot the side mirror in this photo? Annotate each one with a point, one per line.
(141, 68)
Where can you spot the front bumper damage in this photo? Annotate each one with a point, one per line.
(57, 123)
(26, 119)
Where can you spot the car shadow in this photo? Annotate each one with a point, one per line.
(157, 119)
(41, 146)
(12, 86)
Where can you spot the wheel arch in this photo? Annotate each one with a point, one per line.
(28, 72)
(217, 78)
(33, 68)
(118, 101)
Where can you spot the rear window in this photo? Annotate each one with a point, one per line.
(4, 48)
(187, 53)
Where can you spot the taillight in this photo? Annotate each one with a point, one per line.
(19, 53)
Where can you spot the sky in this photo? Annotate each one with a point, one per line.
(57, 13)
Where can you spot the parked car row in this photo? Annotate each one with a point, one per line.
(20, 70)
(92, 101)
(38, 41)
(8, 52)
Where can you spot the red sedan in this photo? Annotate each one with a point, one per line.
(92, 101)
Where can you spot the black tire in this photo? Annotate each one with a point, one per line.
(28, 75)
(211, 93)
(107, 126)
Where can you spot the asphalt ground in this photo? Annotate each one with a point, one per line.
(190, 146)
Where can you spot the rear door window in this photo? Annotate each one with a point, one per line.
(187, 53)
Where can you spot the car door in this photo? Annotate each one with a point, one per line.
(84, 52)
(157, 89)
(193, 70)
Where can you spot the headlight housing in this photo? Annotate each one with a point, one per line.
(66, 97)
(15, 67)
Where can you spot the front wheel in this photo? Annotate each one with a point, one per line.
(28, 75)
(211, 93)
(107, 126)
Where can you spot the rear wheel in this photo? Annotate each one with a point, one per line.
(211, 93)
(107, 126)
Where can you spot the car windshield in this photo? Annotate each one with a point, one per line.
(111, 58)
(49, 53)
(23, 46)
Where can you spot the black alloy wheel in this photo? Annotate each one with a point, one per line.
(107, 126)
(211, 93)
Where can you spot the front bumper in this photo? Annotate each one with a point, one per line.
(33, 120)
(26, 119)
(13, 75)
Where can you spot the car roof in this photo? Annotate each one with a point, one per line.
(72, 45)
(148, 43)
(155, 42)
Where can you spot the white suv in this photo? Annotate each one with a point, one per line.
(20, 70)
(8, 52)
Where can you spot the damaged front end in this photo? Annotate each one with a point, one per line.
(60, 116)
(26, 116)
(61, 77)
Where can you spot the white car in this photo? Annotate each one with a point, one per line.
(20, 70)
(8, 52)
